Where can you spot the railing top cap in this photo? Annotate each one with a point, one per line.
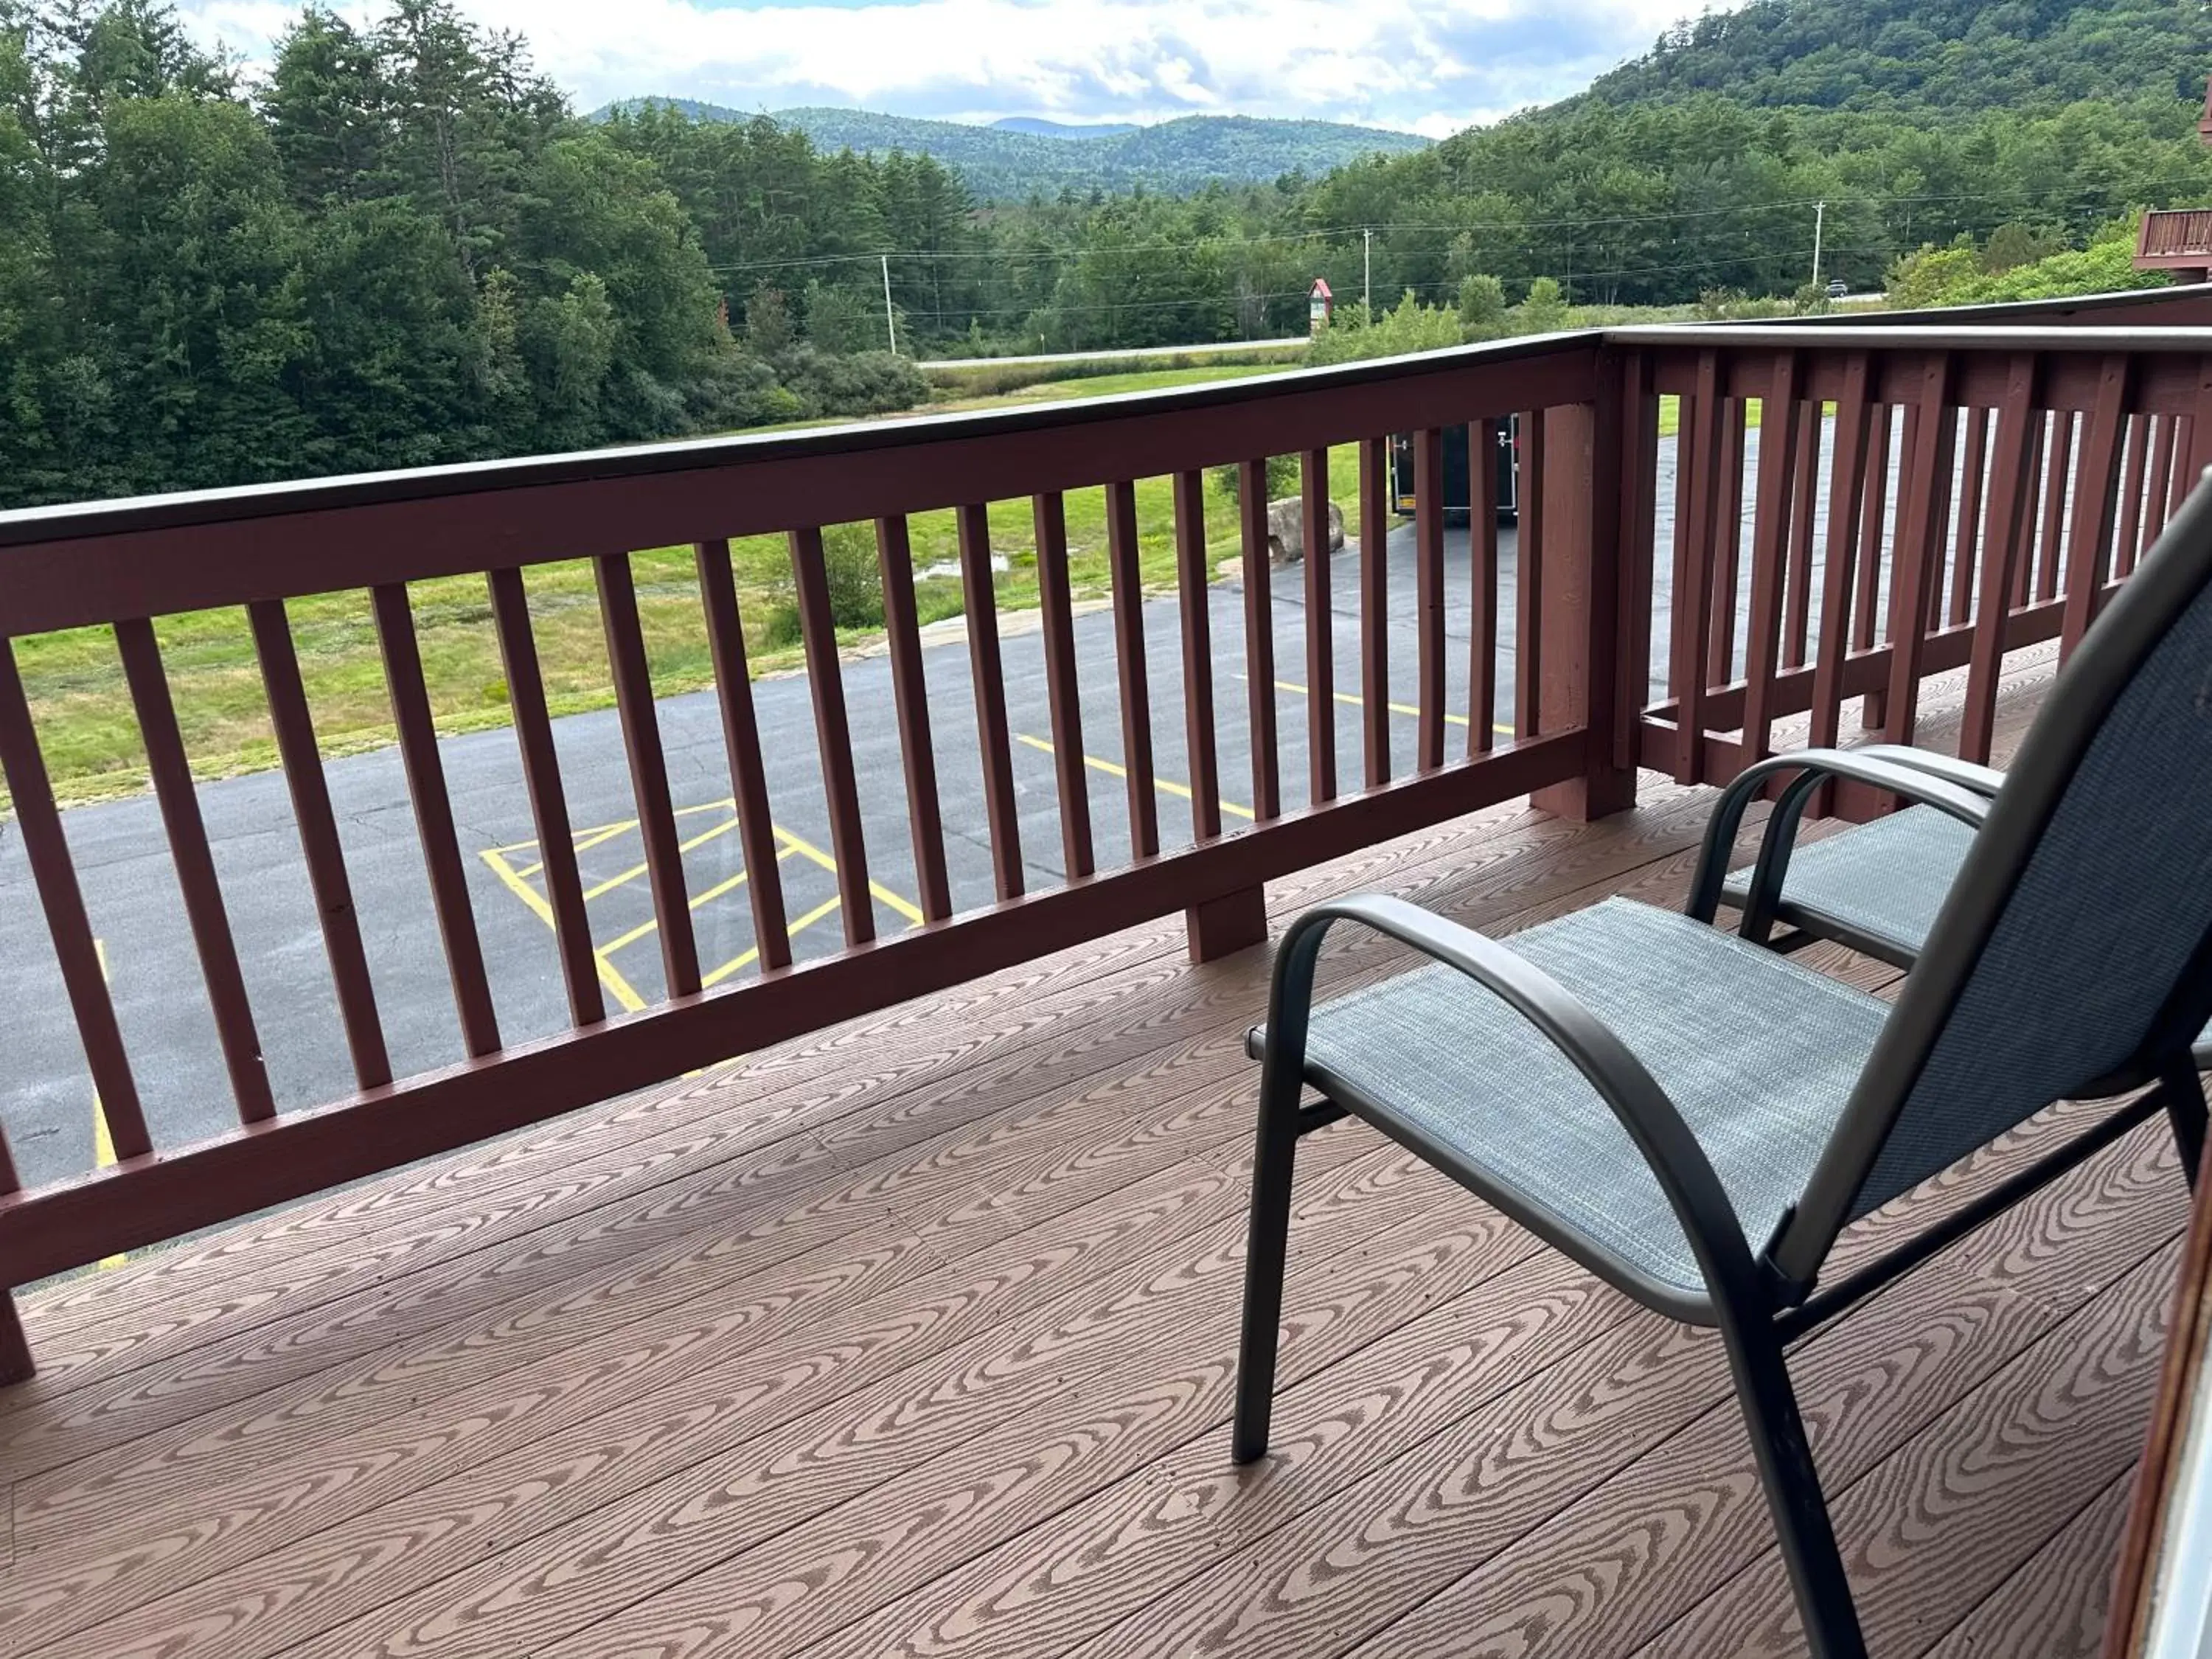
(1995, 336)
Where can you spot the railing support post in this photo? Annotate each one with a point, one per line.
(16, 1364)
(1235, 922)
(1585, 612)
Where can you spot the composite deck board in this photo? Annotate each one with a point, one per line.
(914, 1336)
(2054, 1605)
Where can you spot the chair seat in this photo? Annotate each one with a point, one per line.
(1758, 1054)
(1877, 886)
(1885, 879)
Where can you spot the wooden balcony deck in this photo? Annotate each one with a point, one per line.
(916, 1337)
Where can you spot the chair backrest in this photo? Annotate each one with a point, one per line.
(2074, 954)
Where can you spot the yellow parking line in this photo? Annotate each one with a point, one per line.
(618, 988)
(637, 870)
(1114, 771)
(584, 840)
(1405, 708)
(807, 849)
(714, 892)
(745, 959)
(103, 1143)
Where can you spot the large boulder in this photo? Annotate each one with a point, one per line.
(1287, 529)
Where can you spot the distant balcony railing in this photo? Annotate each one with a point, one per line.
(1908, 501)
(2180, 239)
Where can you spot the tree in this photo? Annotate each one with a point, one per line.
(1482, 306)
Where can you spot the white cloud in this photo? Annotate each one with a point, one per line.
(1432, 67)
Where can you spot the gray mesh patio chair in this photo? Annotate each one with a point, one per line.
(1695, 1118)
(1875, 888)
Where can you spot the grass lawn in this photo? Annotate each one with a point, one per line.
(91, 737)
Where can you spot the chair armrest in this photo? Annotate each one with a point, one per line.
(1968, 774)
(1813, 766)
(1685, 1174)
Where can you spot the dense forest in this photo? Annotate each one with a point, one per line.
(1011, 161)
(399, 244)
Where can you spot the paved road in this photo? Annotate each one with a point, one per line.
(45, 1097)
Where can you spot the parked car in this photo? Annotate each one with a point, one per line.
(1838, 288)
(1458, 495)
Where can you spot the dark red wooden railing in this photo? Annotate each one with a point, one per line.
(2029, 470)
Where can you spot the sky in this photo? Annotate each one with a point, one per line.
(1432, 67)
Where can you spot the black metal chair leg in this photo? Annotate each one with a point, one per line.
(2183, 1091)
(1802, 1529)
(1266, 1246)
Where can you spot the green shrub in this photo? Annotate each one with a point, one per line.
(1282, 479)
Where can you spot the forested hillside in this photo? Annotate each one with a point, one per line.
(1938, 55)
(1012, 161)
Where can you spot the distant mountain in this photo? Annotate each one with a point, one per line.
(1024, 157)
(1940, 54)
(1037, 127)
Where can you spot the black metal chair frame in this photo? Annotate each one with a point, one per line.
(1761, 1297)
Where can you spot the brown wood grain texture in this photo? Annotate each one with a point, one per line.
(979, 596)
(2005, 549)
(1193, 581)
(1804, 503)
(910, 695)
(302, 757)
(1128, 599)
(1258, 638)
(1055, 602)
(2096, 491)
(2056, 1604)
(434, 817)
(1727, 544)
(1321, 627)
(1375, 607)
(1780, 412)
(1482, 559)
(1639, 551)
(1531, 546)
(741, 746)
(548, 801)
(1693, 552)
(1428, 608)
(833, 736)
(648, 761)
(212, 940)
(1847, 499)
(1931, 431)
(53, 871)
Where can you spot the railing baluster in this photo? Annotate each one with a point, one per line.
(1727, 549)
(2023, 575)
(833, 736)
(2009, 519)
(2184, 475)
(911, 692)
(1638, 548)
(1259, 637)
(2058, 461)
(1778, 454)
(1919, 551)
(1194, 584)
(1847, 498)
(1321, 627)
(1868, 587)
(434, 815)
(318, 840)
(2158, 487)
(733, 692)
(1063, 691)
(1699, 432)
(46, 848)
(1375, 603)
(1964, 537)
(548, 801)
(2128, 537)
(648, 770)
(1804, 492)
(1528, 581)
(1428, 607)
(2096, 493)
(188, 846)
(980, 596)
(1129, 665)
(1482, 562)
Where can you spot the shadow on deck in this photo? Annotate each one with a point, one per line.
(916, 1337)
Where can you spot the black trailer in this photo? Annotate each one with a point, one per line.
(1456, 493)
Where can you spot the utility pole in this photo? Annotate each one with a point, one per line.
(1367, 273)
(1819, 220)
(891, 317)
